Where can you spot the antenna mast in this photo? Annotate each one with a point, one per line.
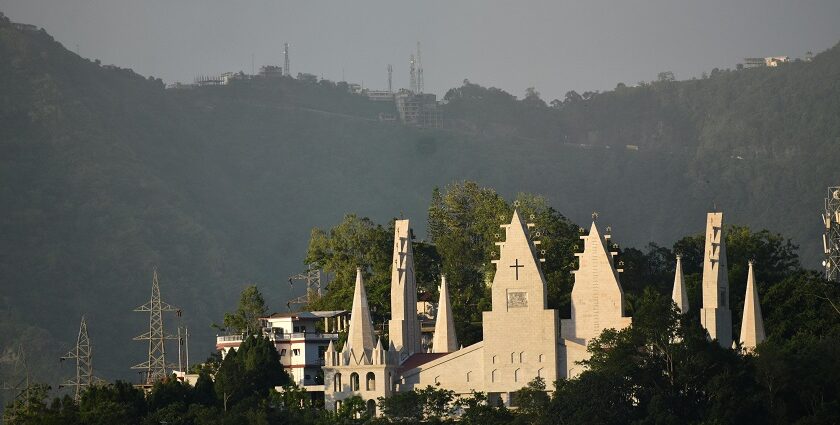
(412, 84)
(84, 367)
(156, 365)
(419, 70)
(390, 73)
(831, 237)
(286, 71)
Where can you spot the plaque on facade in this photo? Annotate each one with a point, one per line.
(517, 299)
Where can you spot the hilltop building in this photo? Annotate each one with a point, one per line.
(771, 61)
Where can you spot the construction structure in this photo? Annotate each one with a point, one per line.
(312, 277)
(81, 353)
(286, 69)
(831, 237)
(418, 109)
(155, 366)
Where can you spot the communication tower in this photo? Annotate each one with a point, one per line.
(412, 83)
(390, 74)
(419, 70)
(155, 366)
(831, 237)
(286, 71)
(84, 368)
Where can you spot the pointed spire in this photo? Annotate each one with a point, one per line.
(445, 339)
(360, 333)
(679, 294)
(329, 355)
(752, 324)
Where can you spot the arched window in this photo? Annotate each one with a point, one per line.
(469, 376)
(370, 381)
(512, 357)
(542, 357)
(338, 405)
(437, 380)
(371, 407)
(494, 359)
(494, 375)
(522, 357)
(391, 382)
(337, 382)
(354, 381)
(539, 373)
(516, 375)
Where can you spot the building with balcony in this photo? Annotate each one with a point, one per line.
(301, 339)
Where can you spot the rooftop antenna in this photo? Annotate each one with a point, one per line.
(312, 277)
(419, 70)
(84, 368)
(286, 70)
(155, 366)
(390, 73)
(412, 84)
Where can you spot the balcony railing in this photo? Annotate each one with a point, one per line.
(278, 337)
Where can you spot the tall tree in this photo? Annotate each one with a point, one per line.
(246, 318)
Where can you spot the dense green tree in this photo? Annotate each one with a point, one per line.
(246, 318)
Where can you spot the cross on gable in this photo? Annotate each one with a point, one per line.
(516, 267)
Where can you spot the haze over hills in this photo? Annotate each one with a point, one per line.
(105, 175)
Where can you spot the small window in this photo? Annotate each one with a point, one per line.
(468, 376)
(522, 357)
(337, 382)
(354, 381)
(338, 405)
(494, 375)
(282, 352)
(494, 359)
(516, 375)
(296, 352)
(370, 381)
(371, 407)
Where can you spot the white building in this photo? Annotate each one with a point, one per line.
(301, 339)
(523, 338)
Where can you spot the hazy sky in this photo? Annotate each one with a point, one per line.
(555, 46)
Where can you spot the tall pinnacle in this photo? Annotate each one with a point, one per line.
(404, 328)
(715, 315)
(752, 324)
(360, 334)
(679, 294)
(445, 339)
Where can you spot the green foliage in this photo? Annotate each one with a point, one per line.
(246, 318)
(353, 243)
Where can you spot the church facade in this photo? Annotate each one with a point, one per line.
(523, 338)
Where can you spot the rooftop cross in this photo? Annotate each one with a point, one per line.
(516, 267)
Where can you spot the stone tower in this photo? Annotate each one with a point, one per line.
(752, 324)
(715, 315)
(520, 333)
(363, 367)
(597, 299)
(679, 294)
(445, 339)
(403, 328)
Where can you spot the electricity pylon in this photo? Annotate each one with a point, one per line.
(156, 365)
(312, 277)
(84, 368)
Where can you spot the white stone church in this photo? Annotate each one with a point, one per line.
(523, 339)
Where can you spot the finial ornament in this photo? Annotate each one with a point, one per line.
(595, 216)
(516, 204)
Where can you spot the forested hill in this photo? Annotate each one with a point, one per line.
(105, 175)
